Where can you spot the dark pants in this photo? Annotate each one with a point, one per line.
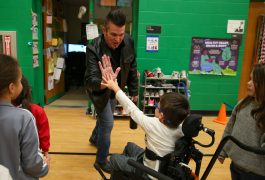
(239, 174)
(102, 131)
(119, 161)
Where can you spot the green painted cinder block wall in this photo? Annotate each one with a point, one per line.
(15, 15)
(180, 21)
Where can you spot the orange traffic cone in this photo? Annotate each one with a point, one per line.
(221, 115)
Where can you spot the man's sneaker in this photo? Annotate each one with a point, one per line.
(92, 142)
(104, 166)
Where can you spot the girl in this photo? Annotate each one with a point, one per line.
(247, 124)
(24, 101)
(18, 135)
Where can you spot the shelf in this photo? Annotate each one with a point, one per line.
(160, 87)
(153, 85)
(166, 77)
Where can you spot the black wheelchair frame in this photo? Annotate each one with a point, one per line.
(185, 150)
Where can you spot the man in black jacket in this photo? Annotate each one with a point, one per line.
(120, 48)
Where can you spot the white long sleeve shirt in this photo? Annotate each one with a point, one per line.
(158, 137)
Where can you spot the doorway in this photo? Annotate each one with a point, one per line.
(256, 9)
(70, 87)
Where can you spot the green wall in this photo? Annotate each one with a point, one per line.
(180, 21)
(15, 15)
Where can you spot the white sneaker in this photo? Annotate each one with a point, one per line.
(175, 75)
(161, 92)
(183, 74)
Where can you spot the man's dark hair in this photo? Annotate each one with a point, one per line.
(117, 17)
(175, 108)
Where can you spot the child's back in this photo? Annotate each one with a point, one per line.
(17, 152)
(18, 136)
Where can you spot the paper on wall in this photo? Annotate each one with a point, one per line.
(48, 34)
(57, 73)
(35, 61)
(50, 83)
(49, 19)
(60, 63)
(35, 47)
(91, 31)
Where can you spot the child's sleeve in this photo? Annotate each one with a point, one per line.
(137, 115)
(43, 130)
(31, 158)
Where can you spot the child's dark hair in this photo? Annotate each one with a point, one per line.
(24, 98)
(9, 71)
(175, 108)
(117, 17)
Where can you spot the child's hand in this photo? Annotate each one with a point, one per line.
(221, 159)
(46, 158)
(110, 83)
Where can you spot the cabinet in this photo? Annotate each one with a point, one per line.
(154, 87)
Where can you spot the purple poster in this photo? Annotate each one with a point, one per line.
(214, 56)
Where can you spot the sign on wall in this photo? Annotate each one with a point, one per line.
(214, 56)
(8, 43)
(235, 26)
(152, 43)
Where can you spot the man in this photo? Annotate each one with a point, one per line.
(120, 48)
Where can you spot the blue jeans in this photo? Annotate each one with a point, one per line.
(102, 131)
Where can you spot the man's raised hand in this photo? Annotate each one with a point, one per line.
(106, 68)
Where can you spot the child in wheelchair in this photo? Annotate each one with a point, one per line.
(161, 131)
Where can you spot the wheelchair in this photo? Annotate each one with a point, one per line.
(175, 165)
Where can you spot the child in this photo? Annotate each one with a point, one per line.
(18, 135)
(161, 131)
(24, 101)
(247, 124)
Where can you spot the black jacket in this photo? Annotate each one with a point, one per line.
(128, 71)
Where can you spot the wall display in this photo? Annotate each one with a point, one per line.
(35, 48)
(235, 26)
(152, 43)
(153, 29)
(8, 44)
(35, 61)
(214, 56)
(91, 31)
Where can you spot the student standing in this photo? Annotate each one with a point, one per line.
(247, 124)
(19, 145)
(24, 101)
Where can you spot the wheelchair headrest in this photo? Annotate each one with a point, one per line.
(192, 125)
